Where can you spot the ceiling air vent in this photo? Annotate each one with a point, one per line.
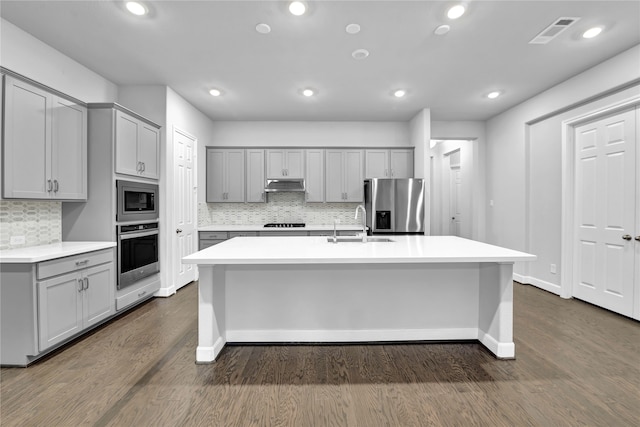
(553, 30)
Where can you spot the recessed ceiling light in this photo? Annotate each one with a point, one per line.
(215, 92)
(399, 93)
(297, 8)
(442, 29)
(494, 94)
(263, 28)
(456, 11)
(136, 8)
(360, 53)
(592, 32)
(308, 92)
(352, 29)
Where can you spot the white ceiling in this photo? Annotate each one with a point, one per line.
(192, 46)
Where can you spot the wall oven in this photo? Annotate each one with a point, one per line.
(137, 252)
(137, 201)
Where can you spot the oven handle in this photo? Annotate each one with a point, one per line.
(134, 234)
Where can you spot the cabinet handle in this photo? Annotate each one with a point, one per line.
(144, 167)
(83, 262)
(49, 185)
(86, 283)
(81, 283)
(56, 187)
(138, 166)
(638, 238)
(626, 237)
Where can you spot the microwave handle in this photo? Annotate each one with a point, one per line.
(134, 234)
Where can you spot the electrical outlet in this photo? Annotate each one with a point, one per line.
(553, 269)
(17, 240)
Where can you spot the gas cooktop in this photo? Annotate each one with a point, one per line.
(284, 224)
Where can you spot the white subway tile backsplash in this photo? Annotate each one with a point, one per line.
(39, 222)
(281, 207)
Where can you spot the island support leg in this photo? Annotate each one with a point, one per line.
(495, 323)
(211, 313)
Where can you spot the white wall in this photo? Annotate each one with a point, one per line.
(26, 55)
(420, 132)
(512, 168)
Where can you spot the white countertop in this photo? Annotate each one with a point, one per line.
(316, 250)
(40, 253)
(259, 227)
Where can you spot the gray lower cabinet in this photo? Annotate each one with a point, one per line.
(210, 238)
(47, 303)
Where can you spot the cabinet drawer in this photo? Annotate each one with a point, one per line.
(242, 234)
(283, 233)
(136, 295)
(205, 243)
(76, 262)
(210, 235)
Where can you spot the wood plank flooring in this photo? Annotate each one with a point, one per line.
(576, 364)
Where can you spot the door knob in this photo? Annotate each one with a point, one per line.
(178, 231)
(626, 237)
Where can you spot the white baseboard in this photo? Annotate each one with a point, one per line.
(165, 292)
(542, 284)
(501, 350)
(209, 354)
(351, 335)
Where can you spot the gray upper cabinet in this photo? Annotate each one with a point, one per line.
(284, 163)
(344, 175)
(44, 144)
(225, 175)
(314, 175)
(255, 175)
(389, 163)
(137, 147)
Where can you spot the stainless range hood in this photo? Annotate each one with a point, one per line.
(283, 185)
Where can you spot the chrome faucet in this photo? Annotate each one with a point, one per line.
(364, 221)
(335, 235)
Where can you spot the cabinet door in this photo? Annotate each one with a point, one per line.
(99, 293)
(334, 191)
(69, 150)
(235, 176)
(314, 175)
(127, 144)
(276, 164)
(354, 175)
(401, 163)
(27, 141)
(215, 176)
(294, 165)
(255, 176)
(59, 309)
(377, 164)
(149, 151)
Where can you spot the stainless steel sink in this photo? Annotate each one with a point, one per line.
(354, 239)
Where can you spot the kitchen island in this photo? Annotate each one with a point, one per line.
(309, 289)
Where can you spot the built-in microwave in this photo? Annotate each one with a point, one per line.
(137, 201)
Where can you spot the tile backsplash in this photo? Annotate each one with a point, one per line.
(281, 207)
(39, 222)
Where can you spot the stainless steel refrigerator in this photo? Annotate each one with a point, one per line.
(394, 205)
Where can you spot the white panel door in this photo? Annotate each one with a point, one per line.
(605, 212)
(184, 208)
(456, 201)
(59, 309)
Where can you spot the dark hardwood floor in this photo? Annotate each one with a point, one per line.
(576, 365)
